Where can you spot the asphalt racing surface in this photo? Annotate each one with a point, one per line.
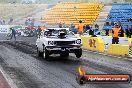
(20, 62)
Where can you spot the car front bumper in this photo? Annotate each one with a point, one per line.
(59, 49)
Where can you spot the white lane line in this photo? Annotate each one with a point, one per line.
(8, 79)
(106, 54)
(11, 40)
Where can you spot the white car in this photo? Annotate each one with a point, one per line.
(58, 41)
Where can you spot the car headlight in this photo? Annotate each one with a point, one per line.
(50, 42)
(78, 41)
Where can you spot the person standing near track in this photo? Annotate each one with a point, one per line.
(121, 31)
(115, 34)
(96, 26)
(60, 25)
(13, 33)
(64, 25)
(130, 29)
(39, 31)
(80, 27)
(91, 31)
(87, 27)
(127, 31)
(72, 28)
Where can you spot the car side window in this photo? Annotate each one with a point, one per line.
(45, 33)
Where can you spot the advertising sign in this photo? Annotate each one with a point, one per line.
(4, 28)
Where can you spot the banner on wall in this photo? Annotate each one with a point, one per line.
(4, 28)
(108, 40)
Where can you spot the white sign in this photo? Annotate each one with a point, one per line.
(108, 40)
(4, 28)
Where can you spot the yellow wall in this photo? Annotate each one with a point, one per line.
(96, 44)
(117, 49)
(129, 40)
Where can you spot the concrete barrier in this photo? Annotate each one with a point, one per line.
(93, 43)
(129, 40)
(118, 49)
(103, 44)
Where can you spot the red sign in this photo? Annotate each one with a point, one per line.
(92, 43)
(83, 77)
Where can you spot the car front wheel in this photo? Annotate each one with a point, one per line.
(45, 53)
(78, 53)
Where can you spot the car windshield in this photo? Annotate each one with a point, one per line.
(53, 33)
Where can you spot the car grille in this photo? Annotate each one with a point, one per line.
(64, 42)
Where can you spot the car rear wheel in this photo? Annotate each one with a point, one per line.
(40, 54)
(78, 53)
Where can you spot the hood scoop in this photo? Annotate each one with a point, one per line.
(62, 35)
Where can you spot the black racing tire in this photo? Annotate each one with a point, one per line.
(78, 53)
(64, 54)
(40, 54)
(45, 53)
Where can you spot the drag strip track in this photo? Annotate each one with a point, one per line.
(30, 71)
(31, 49)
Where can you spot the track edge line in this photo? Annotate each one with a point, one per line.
(7, 78)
